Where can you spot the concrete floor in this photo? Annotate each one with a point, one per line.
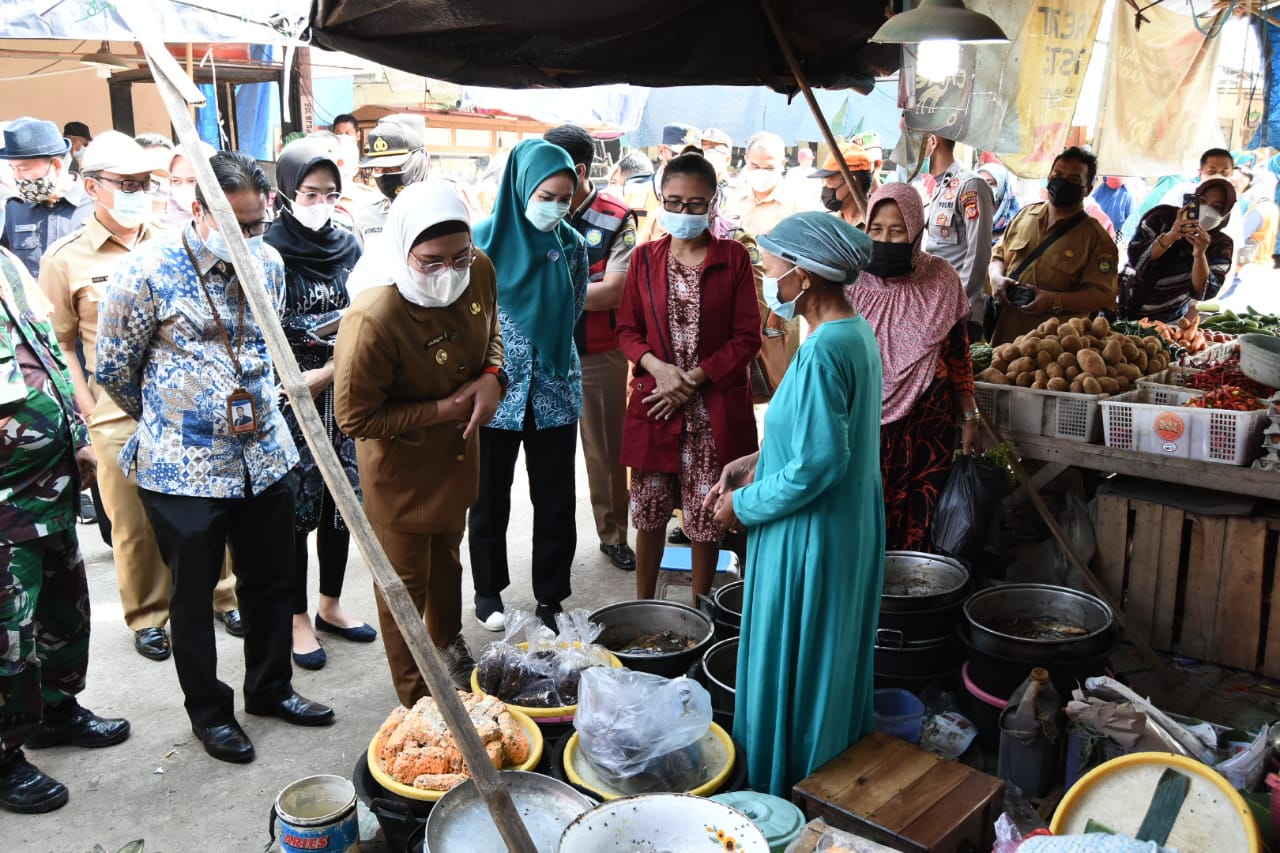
(161, 787)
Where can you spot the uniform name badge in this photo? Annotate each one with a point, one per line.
(242, 416)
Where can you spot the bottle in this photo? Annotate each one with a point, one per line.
(1029, 754)
(1025, 717)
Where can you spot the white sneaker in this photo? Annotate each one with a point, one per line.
(492, 619)
(497, 621)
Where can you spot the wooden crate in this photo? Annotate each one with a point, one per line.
(1202, 586)
(900, 795)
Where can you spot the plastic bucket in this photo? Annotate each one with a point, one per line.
(898, 714)
(317, 813)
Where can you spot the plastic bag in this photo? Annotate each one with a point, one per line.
(641, 731)
(836, 841)
(576, 650)
(525, 677)
(966, 507)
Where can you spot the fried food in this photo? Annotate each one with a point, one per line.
(414, 746)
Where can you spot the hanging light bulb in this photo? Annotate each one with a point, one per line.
(938, 59)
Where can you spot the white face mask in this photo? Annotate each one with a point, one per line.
(762, 180)
(772, 298)
(183, 195)
(130, 210)
(315, 216)
(1209, 218)
(546, 215)
(433, 291)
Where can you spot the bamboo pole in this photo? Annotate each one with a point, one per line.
(171, 82)
(859, 196)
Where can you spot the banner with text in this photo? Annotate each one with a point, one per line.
(1159, 109)
(1016, 99)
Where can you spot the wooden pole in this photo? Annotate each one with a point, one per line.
(1157, 663)
(859, 196)
(171, 83)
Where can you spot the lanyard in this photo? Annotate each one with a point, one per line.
(233, 353)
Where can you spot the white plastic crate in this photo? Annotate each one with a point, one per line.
(1171, 377)
(1056, 414)
(1154, 420)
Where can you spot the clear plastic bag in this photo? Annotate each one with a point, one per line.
(525, 677)
(641, 731)
(577, 650)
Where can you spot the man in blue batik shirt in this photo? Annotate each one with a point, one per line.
(180, 351)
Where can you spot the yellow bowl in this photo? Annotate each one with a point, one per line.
(1214, 816)
(706, 789)
(561, 714)
(528, 726)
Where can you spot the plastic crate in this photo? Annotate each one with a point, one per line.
(1171, 377)
(1154, 420)
(1056, 414)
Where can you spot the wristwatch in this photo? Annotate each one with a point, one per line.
(503, 380)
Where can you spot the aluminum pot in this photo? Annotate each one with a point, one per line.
(724, 607)
(915, 581)
(461, 822)
(626, 621)
(1003, 622)
(720, 672)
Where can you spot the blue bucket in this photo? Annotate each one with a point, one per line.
(899, 714)
(317, 813)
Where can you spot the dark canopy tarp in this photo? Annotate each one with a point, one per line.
(524, 43)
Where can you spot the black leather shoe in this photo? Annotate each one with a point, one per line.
(231, 619)
(678, 536)
(621, 556)
(546, 613)
(76, 726)
(294, 709)
(88, 512)
(24, 789)
(152, 643)
(225, 743)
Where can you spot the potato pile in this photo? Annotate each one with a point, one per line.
(1078, 355)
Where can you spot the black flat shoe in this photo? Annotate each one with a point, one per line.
(360, 634)
(547, 614)
(225, 743)
(294, 709)
(76, 726)
(231, 619)
(26, 790)
(152, 643)
(678, 537)
(621, 556)
(311, 660)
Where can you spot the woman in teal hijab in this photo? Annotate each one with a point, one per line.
(542, 269)
(811, 503)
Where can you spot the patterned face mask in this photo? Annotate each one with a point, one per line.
(36, 190)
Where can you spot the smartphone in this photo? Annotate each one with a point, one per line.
(1019, 294)
(1191, 202)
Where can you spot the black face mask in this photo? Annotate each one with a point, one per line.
(391, 183)
(1064, 193)
(890, 260)
(830, 200)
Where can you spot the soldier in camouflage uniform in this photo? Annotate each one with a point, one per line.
(45, 459)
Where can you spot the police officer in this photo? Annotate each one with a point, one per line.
(73, 275)
(1076, 274)
(392, 142)
(51, 202)
(45, 458)
(959, 220)
(609, 228)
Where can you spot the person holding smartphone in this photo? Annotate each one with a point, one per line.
(1180, 254)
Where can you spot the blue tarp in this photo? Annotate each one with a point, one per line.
(741, 111)
(258, 111)
(332, 96)
(221, 21)
(1269, 131)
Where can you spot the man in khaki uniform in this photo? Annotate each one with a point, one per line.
(1076, 275)
(73, 275)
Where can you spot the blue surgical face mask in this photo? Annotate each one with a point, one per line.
(217, 244)
(130, 210)
(545, 215)
(769, 286)
(683, 226)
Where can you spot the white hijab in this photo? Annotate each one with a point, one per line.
(416, 208)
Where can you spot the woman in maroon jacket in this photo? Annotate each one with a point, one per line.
(690, 323)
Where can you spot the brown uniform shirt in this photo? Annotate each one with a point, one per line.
(1084, 258)
(392, 360)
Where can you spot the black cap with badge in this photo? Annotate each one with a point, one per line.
(390, 142)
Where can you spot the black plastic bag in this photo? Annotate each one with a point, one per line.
(967, 506)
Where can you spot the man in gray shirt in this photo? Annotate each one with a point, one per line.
(959, 229)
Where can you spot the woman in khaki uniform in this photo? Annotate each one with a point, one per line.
(418, 372)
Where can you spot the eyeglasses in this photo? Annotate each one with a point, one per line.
(459, 264)
(248, 229)
(128, 185)
(697, 208)
(307, 197)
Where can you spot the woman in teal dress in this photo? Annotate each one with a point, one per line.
(811, 502)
